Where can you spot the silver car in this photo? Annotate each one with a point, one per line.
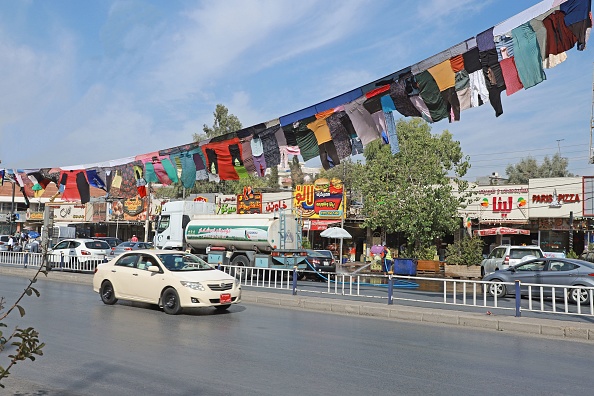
(546, 271)
(129, 246)
(504, 256)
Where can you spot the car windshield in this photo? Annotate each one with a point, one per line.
(520, 253)
(183, 262)
(326, 253)
(313, 253)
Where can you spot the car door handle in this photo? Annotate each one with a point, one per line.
(113, 271)
(135, 274)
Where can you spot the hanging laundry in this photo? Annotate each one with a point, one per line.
(432, 96)
(219, 160)
(374, 107)
(578, 18)
(235, 151)
(341, 131)
(401, 98)
(388, 107)
(84, 190)
(462, 88)
(170, 169)
(479, 94)
(245, 138)
(140, 182)
(493, 78)
(364, 125)
(68, 185)
(271, 146)
(485, 41)
(457, 63)
(357, 145)
(188, 174)
(304, 138)
(472, 60)
(40, 183)
(286, 152)
(328, 155)
(199, 161)
(505, 46)
(510, 75)
(95, 180)
(527, 56)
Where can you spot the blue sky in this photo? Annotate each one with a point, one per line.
(90, 81)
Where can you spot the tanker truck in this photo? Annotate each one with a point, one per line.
(268, 240)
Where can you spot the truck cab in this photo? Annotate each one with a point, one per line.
(173, 220)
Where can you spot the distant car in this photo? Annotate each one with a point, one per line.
(329, 254)
(128, 246)
(170, 279)
(587, 256)
(112, 241)
(320, 261)
(4, 242)
(81, 250)
(504, 256)
(549, 271)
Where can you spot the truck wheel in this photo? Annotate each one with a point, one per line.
(240, 273)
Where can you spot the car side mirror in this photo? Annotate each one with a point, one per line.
(154, 268)
(512, 269)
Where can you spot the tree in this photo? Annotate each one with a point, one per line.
(273, 177)
(528, 168)
(297, 176)
(223, 123)
(413, 191)
(348, 172)
(465, 251)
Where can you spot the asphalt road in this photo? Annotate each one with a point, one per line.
(135, 349)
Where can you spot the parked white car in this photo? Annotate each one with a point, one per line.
(172, 280)
(80, 250)
(504, 256)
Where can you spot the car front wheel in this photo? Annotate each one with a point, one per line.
(581, 295)
(497, 289)
(170, 301)
(107, 294)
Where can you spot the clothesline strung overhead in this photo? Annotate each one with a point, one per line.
(510, 56)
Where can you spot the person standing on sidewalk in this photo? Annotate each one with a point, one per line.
(134, 238)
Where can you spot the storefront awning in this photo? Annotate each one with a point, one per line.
(501, 231)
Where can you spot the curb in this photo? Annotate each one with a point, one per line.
(530, 326)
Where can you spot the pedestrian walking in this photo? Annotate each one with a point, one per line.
(387, 259)
(134, 238)
(10, 243)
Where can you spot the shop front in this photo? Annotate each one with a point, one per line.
(556, 211)
(500, 216)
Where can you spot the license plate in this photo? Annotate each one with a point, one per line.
(225, 298)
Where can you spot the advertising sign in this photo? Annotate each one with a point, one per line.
(249, 202)
(324, 199)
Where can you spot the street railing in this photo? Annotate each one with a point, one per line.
(58, 262)
(393, 289)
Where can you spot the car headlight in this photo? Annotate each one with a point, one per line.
(237, 283)
(193, 285)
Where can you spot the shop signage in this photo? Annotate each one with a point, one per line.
(133, 207)
(249, 202)
(34, 216)
(550, 198)
(70, 213)
(321, 200)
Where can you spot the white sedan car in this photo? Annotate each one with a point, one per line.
(171, 279)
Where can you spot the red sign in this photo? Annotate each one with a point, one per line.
(561, 198)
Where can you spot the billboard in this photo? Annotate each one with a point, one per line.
(324, 199)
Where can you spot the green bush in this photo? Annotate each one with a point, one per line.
(466, 251)
(572, 255)
(424, 253)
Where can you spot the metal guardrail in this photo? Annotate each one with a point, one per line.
(388, 288)
(56, 261)
(437, 291)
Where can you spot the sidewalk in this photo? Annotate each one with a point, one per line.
(533, 326)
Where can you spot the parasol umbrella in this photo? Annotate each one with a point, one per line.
(336, 233)
(376, 249)
(33, 234)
